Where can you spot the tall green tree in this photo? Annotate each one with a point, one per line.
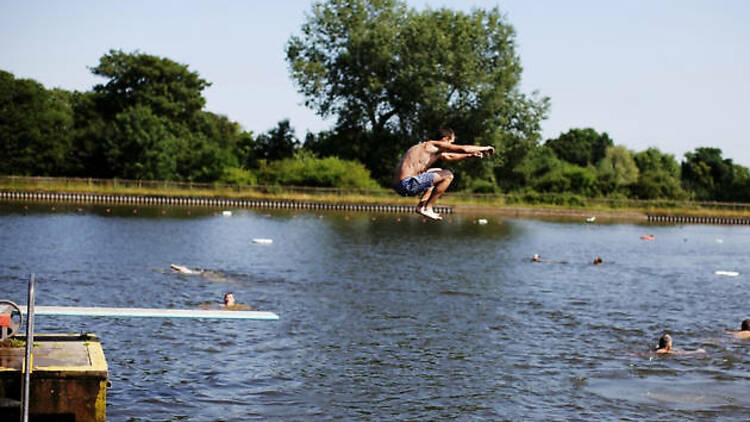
(142, 146)
(170, 89)
(581, 147)
(709, 176)
(543, 171)
(278, 143)
(36, 127)
(658, 176)
(208, 145)
(392, 75)
(617, 170)
(147, 121)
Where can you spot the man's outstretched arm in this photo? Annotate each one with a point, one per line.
(465, 149)
(458, 156)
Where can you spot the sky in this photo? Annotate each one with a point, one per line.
(670, 74)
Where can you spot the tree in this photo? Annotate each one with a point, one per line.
(392, 75)
(278, 143)
(142, 146)
(167, 87)
(617, 170)
(581, 146)
(36, 127)
(658, 176)
(710, 177)
(91, 132)
(543, 171)
(657, 184)
(209, 145)
(654, 160)
(147, 121)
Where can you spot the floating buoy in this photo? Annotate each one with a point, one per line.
(591, 219)
(727, 273)
(263, 241)
(482, 221)
(226, 213)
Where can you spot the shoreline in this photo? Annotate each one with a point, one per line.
(364, 204)
(609, 216)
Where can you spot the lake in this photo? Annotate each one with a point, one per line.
(388, 317)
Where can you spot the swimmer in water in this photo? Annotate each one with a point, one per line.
(665, 347)
(598, 261)
(209, 274)
(231, 304)
(744, 332)
(182, 269)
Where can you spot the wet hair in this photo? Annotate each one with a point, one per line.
(745, 325)
(444, 132)
(665, 341)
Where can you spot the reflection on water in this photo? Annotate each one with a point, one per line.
(686, 392)
(389, 317)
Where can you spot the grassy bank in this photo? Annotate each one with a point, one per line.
(551, 203)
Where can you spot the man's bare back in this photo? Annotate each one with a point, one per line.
(417, 159)
(413, 175)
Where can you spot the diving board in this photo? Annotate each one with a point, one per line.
(150, 312)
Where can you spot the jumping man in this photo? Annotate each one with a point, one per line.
(414, 175)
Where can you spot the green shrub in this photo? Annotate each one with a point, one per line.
(238, 176)
(306, 170)
(483, 186)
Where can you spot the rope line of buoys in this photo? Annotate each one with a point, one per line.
(207, 202)
(690, 219)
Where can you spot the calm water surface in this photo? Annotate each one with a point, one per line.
(382, 319)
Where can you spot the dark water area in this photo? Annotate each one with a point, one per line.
(387, 317)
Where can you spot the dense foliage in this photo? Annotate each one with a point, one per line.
(389, 74)
(392, 75)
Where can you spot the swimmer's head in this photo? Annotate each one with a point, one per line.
(665, 341)
(746, 325)
(229, 299)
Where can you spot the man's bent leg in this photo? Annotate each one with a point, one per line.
(442, 180)
(426, 194)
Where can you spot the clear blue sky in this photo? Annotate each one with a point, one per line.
(670, 74)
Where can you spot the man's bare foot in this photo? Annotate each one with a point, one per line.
(429, 213)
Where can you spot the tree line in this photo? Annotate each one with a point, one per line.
(388, 74)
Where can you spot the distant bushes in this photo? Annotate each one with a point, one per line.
(305, 170)
(535, 198)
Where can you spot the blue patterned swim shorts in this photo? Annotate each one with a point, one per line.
(414, 185)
